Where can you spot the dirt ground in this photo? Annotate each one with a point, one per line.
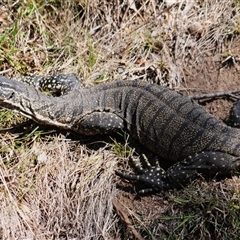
(215, 75)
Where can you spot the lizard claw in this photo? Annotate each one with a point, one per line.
(153, 175)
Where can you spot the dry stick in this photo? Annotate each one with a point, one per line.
(216, 95)
(121, 212)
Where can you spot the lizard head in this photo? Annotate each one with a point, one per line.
(8, 88)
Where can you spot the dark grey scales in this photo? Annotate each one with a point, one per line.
(169, 124)
(234, 119)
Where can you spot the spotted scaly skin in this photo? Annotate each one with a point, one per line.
(61, 83)
(234, 119)
(169, 124)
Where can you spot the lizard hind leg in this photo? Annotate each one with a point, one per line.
(153, 175)
(182, 173)
(205, 163)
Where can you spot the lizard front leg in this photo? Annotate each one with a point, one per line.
(99, 123)
(183, 172)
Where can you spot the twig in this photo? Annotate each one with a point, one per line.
(5, 71)
(216, 95)
(121, 212)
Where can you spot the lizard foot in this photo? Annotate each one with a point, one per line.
(152, 175)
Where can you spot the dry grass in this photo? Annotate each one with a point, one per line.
(101, 41)
(47, 189)
(52, 188)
